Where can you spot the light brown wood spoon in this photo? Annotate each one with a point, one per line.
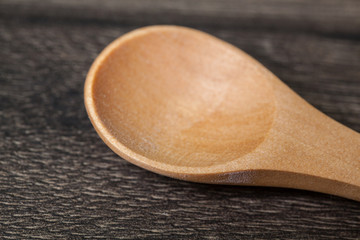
(187, 105)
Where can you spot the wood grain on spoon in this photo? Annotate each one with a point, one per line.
(187, 105)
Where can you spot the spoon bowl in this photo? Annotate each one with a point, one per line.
(184, 104)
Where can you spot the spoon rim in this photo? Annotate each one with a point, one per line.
(125, 152)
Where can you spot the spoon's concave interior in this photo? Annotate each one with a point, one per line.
(181, 98)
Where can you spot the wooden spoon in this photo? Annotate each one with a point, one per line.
(187, 105)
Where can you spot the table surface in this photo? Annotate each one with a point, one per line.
(59, 180)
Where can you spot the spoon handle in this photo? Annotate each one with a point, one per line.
(305, 149)
(332, 153)
(319, 155)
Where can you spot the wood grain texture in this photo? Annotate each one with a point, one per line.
(57, 178)
(181, 103)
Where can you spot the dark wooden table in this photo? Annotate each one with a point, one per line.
(59, 180)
